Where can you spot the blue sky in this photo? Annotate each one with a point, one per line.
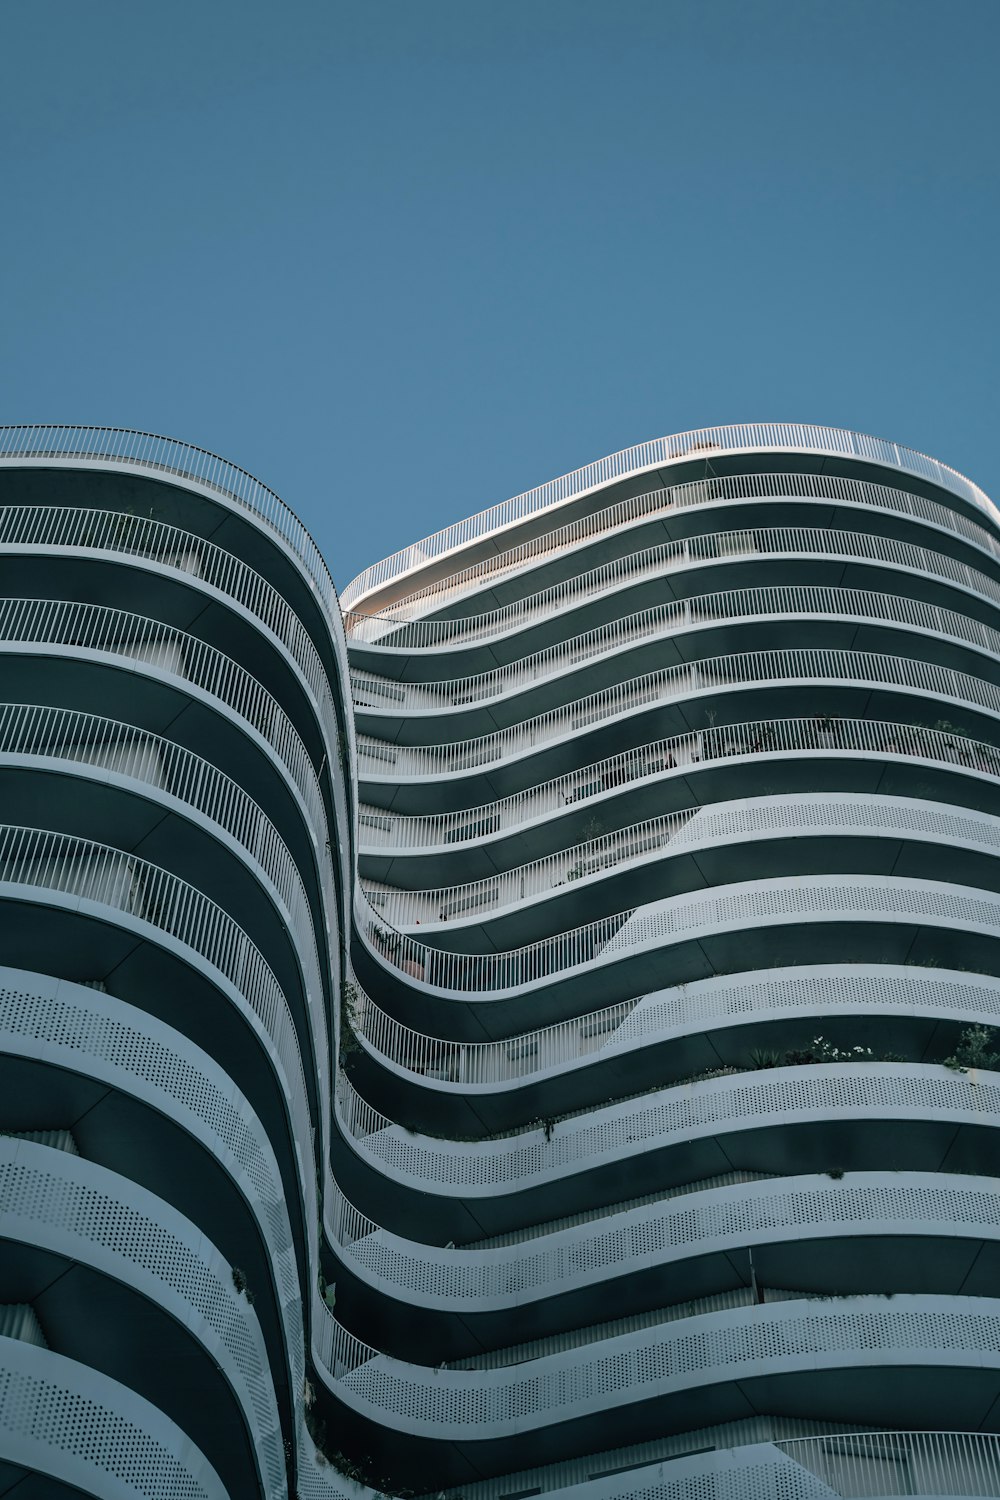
(403, 258)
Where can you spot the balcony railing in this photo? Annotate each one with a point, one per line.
(843, 1465)
(128, 535)
(393, 630)
(68, 735)
(659, 620)
(57, 862)
(806, 899)
(817, 815)
(136, 638)
(157, 1250)
(703, 1006)
(703, 443)
(859, 1465)
(678, 1226)
(796, 1340)
(137, 1056)
(708, 675)
(758, 738)
(117, 446)
(674, 1118)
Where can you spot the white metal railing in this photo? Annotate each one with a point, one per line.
(345, 1225)
(139, 536)
(653, 505)
(138, 638)
(689, 614)
(483, 973)
(336, 1350)
(62, 734)
(676, 1115)
(816, 814)
(381, 829)
(473, 1064)
(172, 652)
(701, 1007)
(360, 1119)
(83, 868)
(796, 1339)
(118, 446)
(613, 938)
(756, 436)
(651, 562)
(768, 1466)
(676, 1227)
(858, 1465)
(126, 883)
(171, 1261)
(708, 675)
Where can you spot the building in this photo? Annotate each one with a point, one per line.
(569, 1069)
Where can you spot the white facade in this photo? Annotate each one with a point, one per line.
(499, 1036)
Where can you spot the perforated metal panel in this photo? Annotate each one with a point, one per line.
(697, 1352)
(77, 1208)
(779, 1097)
(866, 1203)
(129, 1049)
(63, 1419)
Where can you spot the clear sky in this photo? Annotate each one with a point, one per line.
(404, 258)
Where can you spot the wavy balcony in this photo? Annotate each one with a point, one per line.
(685, 632)
(472, 1087)
(142, 1101)
(825, 1117)
(834, 683)
(708, 1368)
(868, 1232)
(621, 530)
(682, 569)
(679, 939)
(682, 772)
(381, 583)
(810, 834)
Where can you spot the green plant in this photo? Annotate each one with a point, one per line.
(360, 1470)
(974, 1050)
(240, 1283)
(820, 1051)
(836, 1173)
(348, 1017)
(387, 942)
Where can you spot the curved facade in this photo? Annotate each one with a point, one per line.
(490, 1033)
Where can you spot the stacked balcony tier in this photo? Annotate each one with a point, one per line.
(678, 914)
